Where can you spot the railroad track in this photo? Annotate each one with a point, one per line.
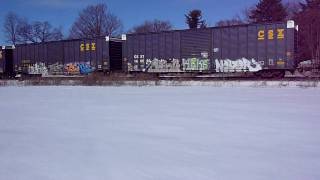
(184, 77)
(213, 78)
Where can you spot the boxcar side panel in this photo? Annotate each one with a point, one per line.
(55, 57)
(2, 60)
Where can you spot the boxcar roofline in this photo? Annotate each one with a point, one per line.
(68, 40)
(215, 27)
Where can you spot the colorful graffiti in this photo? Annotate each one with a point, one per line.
(78, 68)
(71, 69)
(85, 68)
(239, 65)
(57, 68)
(195, 64)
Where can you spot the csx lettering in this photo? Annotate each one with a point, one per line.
(93, 46)
(261, 35)
(88, 47)
(81, 47)
(270, 34)
(280, 33)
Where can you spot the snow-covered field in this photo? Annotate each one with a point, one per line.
(159, 133)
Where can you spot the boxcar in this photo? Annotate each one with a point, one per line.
(78, 56)
(262, 48)
(6, 61)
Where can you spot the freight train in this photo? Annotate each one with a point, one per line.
(267, 50)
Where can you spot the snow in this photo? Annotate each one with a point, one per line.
(217, 83)
(159, 133)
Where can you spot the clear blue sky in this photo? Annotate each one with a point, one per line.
(131, 12)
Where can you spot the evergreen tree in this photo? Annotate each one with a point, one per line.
(194, 19)
(267, 11)
(308, 20)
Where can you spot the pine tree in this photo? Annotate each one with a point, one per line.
(267, 11)
(308, 20)
(194, 19)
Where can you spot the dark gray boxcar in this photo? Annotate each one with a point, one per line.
(2, 60)
(66, 56)
(251, 47)
(6, 61)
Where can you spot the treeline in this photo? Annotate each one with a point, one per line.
(98, 20)
(92, 21)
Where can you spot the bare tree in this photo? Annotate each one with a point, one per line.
(38, 32)
(114, 25)
(152, 26)
(44, 32)
(230, 22)
(246, 13)
(25, 32)
(10, 27)
(95, 20)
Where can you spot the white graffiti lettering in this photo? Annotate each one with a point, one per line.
(239, 65)
(193, 64)
(162, 65)
(38, 68)
(56, 69)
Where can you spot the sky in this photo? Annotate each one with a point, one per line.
(131, 12)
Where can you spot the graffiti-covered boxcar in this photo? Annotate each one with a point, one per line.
(6, 61)
(264, 49)
(78, 56)
(243, 48)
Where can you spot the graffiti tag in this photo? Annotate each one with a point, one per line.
(239, 65)
(78, 68)
(162, 65)
(56, 69)
(37, 69)
(195, 64)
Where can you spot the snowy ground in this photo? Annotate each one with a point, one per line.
(159, 133)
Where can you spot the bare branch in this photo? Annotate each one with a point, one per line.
(230, 22)
(10, 27)
(94, 21)
(152, 26)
